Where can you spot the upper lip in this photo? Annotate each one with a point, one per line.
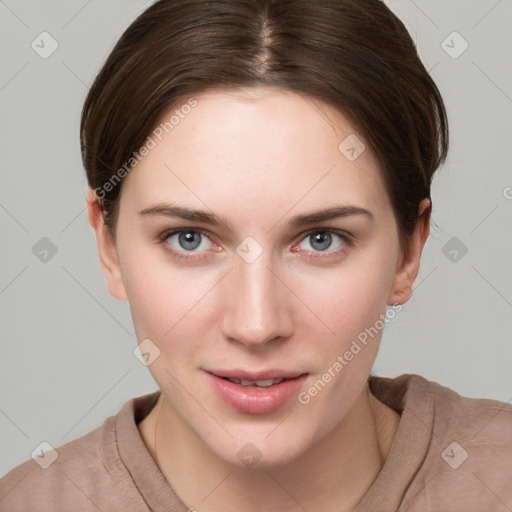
(260, 375)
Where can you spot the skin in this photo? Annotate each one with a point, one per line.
(258, 157)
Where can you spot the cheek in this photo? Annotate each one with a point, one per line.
(167, 304)
(353, 307)
(352, 297)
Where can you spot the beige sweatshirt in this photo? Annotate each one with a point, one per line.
(450, 454)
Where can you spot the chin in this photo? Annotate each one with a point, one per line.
(262, 453)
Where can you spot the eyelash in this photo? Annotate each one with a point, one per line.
(346, 238)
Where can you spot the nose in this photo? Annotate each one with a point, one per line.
(257, 303)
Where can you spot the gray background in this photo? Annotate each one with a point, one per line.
(67, 346)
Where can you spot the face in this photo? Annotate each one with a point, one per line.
(293, 258)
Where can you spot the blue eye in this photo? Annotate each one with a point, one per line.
(322, 240)
(188, 240)
(181, 244)
(194, 244)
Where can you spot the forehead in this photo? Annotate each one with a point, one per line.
(254, 150)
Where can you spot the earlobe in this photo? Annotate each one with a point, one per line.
(406, 274)
(107, 252)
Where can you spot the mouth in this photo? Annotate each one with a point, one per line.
(264, 378)
(264, 383)
(256, 392)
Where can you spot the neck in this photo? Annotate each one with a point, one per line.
(334, 474)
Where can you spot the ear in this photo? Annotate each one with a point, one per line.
(407, 272)
(107, 251)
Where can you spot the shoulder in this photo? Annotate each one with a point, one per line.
(482, 423)
(449, 410)
(470, 453)
(84, 472)
(57, 475)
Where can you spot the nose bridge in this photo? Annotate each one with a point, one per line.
(256, 311)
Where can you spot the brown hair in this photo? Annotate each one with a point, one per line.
(354, 55)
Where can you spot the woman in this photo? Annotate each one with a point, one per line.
(259, 178)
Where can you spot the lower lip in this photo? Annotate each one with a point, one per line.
(255, 399)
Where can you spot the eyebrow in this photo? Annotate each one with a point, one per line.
(336, 212)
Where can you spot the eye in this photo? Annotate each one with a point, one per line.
(187, 243)
(321, 240)
(179, 242)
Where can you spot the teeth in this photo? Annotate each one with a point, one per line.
(268, 382)
(262, 383)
